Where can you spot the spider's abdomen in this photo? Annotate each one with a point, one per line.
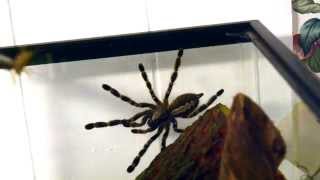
(184, 104)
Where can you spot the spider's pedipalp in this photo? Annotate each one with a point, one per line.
(148, 84)
(165, 136)
(175, 126)
(136, 160)
(174, 75)
(125, 98)
(205, 106)
(124, 122)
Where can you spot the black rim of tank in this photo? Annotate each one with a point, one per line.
(303, 81)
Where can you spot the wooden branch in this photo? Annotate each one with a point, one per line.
(241, 144)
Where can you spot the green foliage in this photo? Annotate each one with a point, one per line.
(309, 34)
(314, 61)
(305, 6)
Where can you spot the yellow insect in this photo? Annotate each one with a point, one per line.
(18, 63)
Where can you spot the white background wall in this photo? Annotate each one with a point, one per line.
(6, 36)
(15, 152)
(46, 20)
(61, 98)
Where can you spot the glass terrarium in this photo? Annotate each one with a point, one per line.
(82, 103)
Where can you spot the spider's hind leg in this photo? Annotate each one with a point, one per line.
(205, 106)
(165, 136)
(136, 160)
(125, 98)
(124, 122)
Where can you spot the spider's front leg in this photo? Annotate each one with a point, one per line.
(148, 84)
(124, 98)
(174, 75)
(206, 105)
(124, 122)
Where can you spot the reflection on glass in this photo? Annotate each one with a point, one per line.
(61, 99)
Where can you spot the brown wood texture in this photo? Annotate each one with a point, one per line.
(223, 144)
(253, 146)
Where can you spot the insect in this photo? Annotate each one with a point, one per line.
(159, 115)
(20, 61)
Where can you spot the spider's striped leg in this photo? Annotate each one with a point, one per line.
(125, 98)
(205, 106)
(175, 126)
(174, 75)
(164, 137)
(116, 122)
(136, 160)
(139, 124)
(148, 84)
(143, 131)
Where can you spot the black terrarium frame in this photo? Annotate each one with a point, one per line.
(305, 84)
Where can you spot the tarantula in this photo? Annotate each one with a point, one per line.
(160, 115)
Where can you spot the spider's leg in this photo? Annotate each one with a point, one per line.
(174, 75)
(139, 124)
(148, 84)
(175, 126)
(116, 122)
(164, 137)
(125, 98)
(205, 106)
(136, 160)
(143, 131)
